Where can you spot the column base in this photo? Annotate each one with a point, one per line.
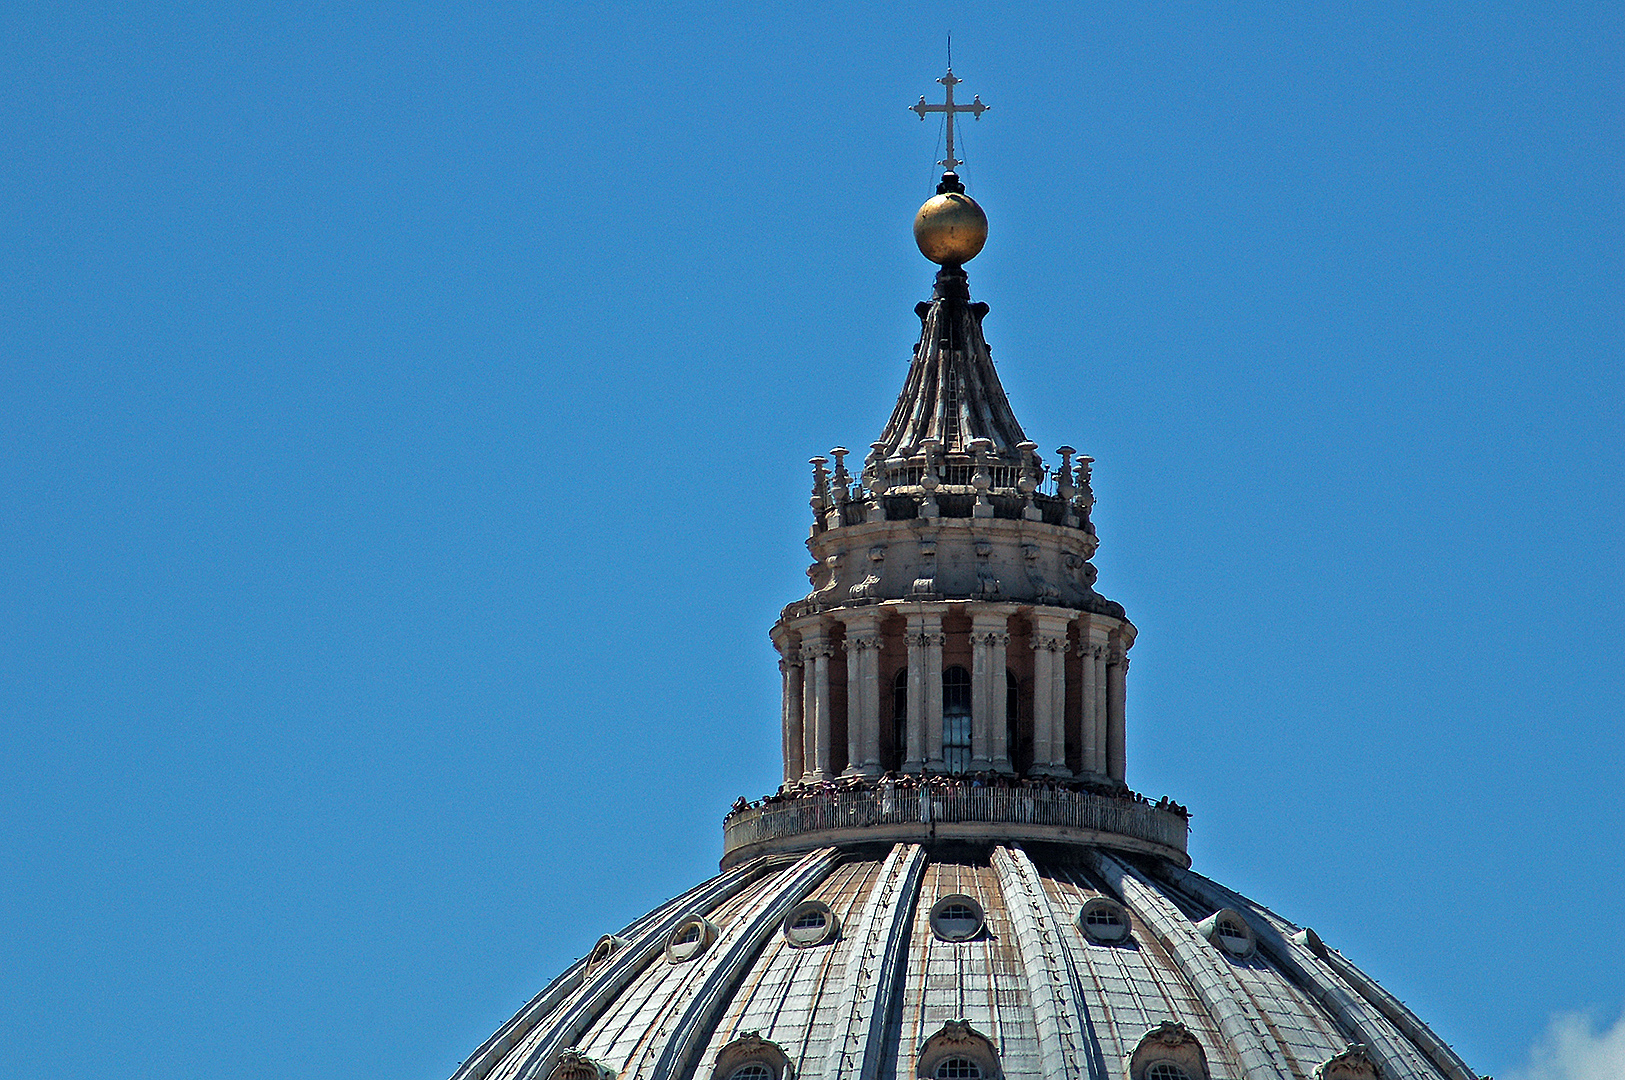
(913, 767)
(1059, 772)
(980, 765)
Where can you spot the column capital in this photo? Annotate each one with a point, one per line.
(1049, 642)
(860, 642)
(813, 649)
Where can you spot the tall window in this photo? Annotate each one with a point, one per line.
(899, 717)
(1012, 714)
(956, 719)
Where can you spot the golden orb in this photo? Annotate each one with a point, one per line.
(950, 228)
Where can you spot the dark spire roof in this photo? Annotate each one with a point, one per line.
(952, 392)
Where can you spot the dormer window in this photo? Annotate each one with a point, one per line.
(1228, 930)
(958, 1068)
(691, 937)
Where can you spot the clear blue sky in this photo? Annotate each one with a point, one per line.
(407, 411)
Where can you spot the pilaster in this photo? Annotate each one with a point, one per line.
(1049, 692)
(863, 692)
(990, 636)
(925, 641)
(816, 649)
(1116, 712)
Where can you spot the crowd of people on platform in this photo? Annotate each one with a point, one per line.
(953, 784)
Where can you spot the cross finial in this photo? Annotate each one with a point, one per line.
(948, 108)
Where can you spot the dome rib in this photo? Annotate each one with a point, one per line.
(1054, 1003)
(1051, 978)
(688, 1037)
(522, 1028)
(952, 392)
(1223, 997)
(647, 937)
(1397, 1052)
(877, 958)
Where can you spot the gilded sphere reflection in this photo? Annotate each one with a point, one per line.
(950, 229)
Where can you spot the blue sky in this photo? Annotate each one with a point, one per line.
(408, 410)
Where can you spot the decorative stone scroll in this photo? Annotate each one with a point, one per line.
(1352, 1064)
(575, 1065)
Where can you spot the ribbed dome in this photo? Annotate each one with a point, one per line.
(830, 964)
(955, 880)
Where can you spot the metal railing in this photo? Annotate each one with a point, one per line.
(880, 807)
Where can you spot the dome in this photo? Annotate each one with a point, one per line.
(954, 879)
(960, 959)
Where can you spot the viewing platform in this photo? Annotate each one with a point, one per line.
(942, 808)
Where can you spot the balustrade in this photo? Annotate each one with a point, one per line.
(893, 808)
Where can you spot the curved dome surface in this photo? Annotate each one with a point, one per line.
(1165, 970)
(954, 879)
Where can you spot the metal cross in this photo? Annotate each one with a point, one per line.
(948, 108)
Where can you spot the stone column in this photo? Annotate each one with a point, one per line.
(998, 663)
(816, 650)
(1086, 699)
(989, 632)
(1092, 638)
(1049, 693)
(1102, 713)
(863, 693)
(1116, 714)
(925, 643)
(914, 753)
(790, 666)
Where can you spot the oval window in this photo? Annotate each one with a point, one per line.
(691, 937)
(810, 923)
(956, 918)
(1103, 920)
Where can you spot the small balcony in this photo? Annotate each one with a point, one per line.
(942, 809)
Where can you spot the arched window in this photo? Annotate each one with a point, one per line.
(899, 717)
(958, 1068)
(754, 1070)
(956, 745)
(1165, 1070)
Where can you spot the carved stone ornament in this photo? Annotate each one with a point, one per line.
(1082, 570)
(869, 587)
(1352, 1064)
(957, 1038)
(1171, 1043)
(575, 1065)
(751, 1049)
